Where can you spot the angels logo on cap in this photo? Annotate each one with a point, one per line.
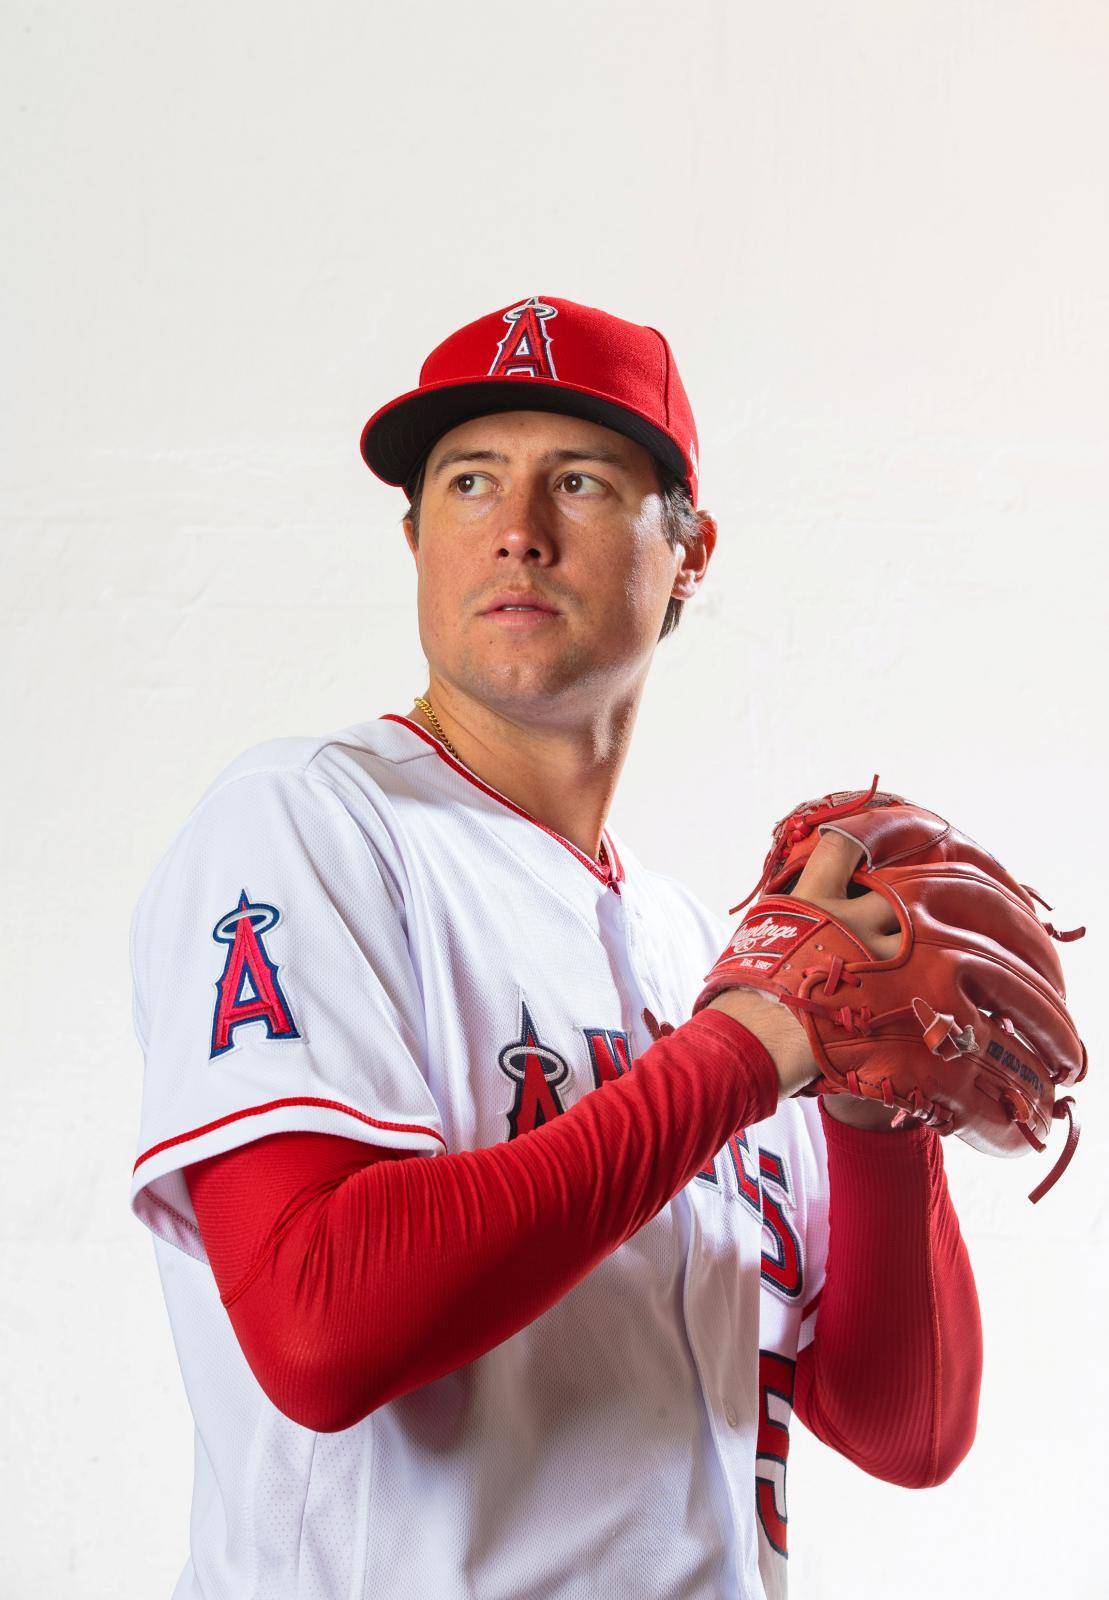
(526, 347)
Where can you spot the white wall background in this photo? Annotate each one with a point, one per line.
(878, 237)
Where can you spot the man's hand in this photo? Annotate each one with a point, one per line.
(823, 882)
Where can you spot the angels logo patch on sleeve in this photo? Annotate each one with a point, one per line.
(247, 990)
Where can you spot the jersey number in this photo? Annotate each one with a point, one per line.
(781, 1256)
(776, 1373)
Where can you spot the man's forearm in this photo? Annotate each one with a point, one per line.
(350, 1285)
(891, 1379)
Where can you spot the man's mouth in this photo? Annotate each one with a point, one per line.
(515, 605)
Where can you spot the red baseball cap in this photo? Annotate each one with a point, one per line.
(541, 354)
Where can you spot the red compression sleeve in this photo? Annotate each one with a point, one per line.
(891, 1378)
(353, 1275)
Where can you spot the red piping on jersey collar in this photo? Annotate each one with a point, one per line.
(612, 877)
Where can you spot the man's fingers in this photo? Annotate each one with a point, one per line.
(873, 913)
(882, 945)
(824, 882)
(828, 870)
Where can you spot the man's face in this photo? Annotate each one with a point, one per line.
(552, 508)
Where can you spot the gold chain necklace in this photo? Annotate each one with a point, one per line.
(424, 703)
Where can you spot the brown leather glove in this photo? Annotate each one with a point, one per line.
(965, 1026)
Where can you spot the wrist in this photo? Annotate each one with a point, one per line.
(858, 1112)
(777, 1030)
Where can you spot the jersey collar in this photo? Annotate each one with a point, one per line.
(611, 876)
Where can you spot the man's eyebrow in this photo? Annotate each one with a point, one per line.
(612, 458)
(549, 459)
(454, 456)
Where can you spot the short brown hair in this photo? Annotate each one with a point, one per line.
(680, 521)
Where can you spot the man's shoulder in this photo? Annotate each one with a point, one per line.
(365, 749)
(288, 754)
(293, 783)
(293, 763)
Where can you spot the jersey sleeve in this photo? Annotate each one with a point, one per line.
(274, 989)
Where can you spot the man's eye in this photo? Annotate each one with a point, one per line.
(469, 484)
(579, 483)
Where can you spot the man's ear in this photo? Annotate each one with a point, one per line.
(695, 560)
(410, 536)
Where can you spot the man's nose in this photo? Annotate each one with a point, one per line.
(525, 524)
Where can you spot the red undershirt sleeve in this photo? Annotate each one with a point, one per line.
(353, 1274)
(891, 1378)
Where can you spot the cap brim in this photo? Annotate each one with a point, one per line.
(397, 438)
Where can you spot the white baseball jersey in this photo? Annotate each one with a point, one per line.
(355, 935)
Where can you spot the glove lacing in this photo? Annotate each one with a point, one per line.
(797, 827)
(1048, 927)
(859, 1020)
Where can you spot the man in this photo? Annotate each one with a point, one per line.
(559, 1357)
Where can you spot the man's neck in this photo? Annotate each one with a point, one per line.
(565, 777)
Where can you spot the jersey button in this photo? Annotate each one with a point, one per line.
(730, 1413)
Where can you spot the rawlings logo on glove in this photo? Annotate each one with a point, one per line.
(769, 937)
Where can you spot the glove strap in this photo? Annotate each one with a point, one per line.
(1062, 1108)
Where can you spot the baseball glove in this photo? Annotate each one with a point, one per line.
(966, 1026)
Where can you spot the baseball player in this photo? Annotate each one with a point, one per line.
(492, 1271)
